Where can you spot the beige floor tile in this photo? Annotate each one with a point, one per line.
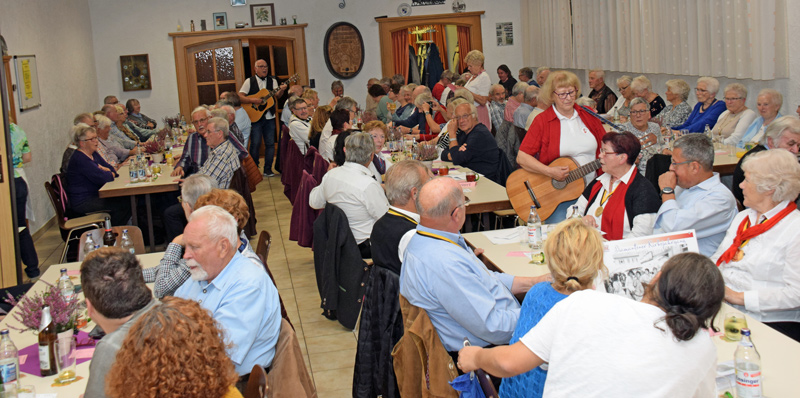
(332, 360)
(335, 379)
(318, 325)
(346, 393)
(330, 343)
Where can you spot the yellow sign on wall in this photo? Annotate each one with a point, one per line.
(26, 78)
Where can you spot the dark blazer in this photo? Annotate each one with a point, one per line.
(380, 329)
(341, 273)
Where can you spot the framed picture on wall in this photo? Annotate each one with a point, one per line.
(220, 20)
(135, 72)
(237, 3)
(262, 14)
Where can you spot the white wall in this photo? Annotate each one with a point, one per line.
(59, 34)
(121, 28)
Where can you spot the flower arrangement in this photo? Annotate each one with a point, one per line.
(65, 314)
(425, 153)
(154, 146)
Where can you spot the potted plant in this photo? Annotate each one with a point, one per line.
(64, 313)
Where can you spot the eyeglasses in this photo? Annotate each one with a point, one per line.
(203, 120)
(672, 162)
(732, 99)
(91, 139)
(604, 152)
(305, 108)
(456, 208)
(462, 117)
(566, 94)
(641, 112)
(262, 66)
(700, 90)
(623, 88)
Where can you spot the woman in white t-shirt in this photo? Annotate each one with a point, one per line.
(602, 345)
(479, 85)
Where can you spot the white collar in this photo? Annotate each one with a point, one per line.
(413, 215)
(605, 179)
(564, 118)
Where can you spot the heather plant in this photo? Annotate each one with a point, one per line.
(64, 313)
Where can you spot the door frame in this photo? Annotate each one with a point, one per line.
(183, 40)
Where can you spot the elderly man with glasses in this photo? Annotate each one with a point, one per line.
(692, 196)
(299, 124)
(195, 152)
(475, 148)
(461, 296)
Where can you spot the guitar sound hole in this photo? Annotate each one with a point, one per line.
(559, 184)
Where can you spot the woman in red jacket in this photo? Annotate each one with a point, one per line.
(564, 129)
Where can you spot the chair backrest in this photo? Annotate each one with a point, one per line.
(97, 235)
(320, 167)
(58, 198)
(257, 386)
(288, 376)
(264, 243)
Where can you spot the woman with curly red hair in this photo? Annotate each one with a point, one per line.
(173, 350)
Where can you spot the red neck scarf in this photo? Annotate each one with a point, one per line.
(745, 232)
(613, 218)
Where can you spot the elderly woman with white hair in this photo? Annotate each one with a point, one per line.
(708, 107)
(760, 255)
(479, 84)
(623, 106)
(769, 104)
(111, 151)
(642, 88)
(783, 133)
(737, 118)
(677, 110)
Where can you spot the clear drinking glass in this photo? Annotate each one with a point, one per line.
(26, 392)
(734, 323)
(66, 358)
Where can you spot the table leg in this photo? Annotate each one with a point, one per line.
(134, 217)
(150, 223)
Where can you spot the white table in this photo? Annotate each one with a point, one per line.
(780, 355)
(24, 339)
(485, 196)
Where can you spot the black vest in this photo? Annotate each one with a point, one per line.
(385, 238)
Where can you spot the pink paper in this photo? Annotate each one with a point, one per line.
(74, 272)
(22, 359)
(517, 254)
(85, 353)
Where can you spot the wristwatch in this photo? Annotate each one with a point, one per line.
(667, 191)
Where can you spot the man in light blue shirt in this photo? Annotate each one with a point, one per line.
(237, 291)
(702, 203)
(442, 275)
(526, 107)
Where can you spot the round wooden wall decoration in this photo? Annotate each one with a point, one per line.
(344, 50)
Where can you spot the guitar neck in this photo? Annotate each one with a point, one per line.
(580, 172)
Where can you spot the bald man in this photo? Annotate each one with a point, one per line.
(461, 296)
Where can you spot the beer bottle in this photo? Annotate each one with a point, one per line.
(47, 344)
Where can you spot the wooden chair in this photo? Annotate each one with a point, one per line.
(257, 386)
(262, 249)
(72, 225)
(97, 235)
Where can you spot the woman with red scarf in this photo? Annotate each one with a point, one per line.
(620, 202)
(760, 255)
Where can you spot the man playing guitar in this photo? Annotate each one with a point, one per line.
(265, 126)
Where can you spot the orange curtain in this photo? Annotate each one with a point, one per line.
(441, 42)
(464, 46)
(400, 52)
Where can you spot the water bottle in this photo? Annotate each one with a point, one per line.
(142, 169)
(183, 122)
(574, 212)
(535, 236)
(9, 360)
(88, 246)
(709, 134)
(127, 242)
(748, 368)
(66, 287)
(133, 169)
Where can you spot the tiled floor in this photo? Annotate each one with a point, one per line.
(329, 348)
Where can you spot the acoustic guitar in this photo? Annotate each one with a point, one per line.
(267, 97)
(525, 188)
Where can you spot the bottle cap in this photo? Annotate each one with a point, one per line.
(3, 332)
(63, 270)
(125, 230)
(745, 332)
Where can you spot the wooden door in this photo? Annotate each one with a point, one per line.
(279, 54)
(9, 262)
(213, 69)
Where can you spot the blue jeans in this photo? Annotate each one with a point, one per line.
(265, 128)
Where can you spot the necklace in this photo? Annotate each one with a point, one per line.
(704, 108)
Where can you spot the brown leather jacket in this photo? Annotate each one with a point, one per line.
(422, 365)
(289, 376)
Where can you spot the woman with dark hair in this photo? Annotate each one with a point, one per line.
(508, 81)
(136, 116)
(340, 121)
(173, 350)
(620, 202)
(600, 345)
